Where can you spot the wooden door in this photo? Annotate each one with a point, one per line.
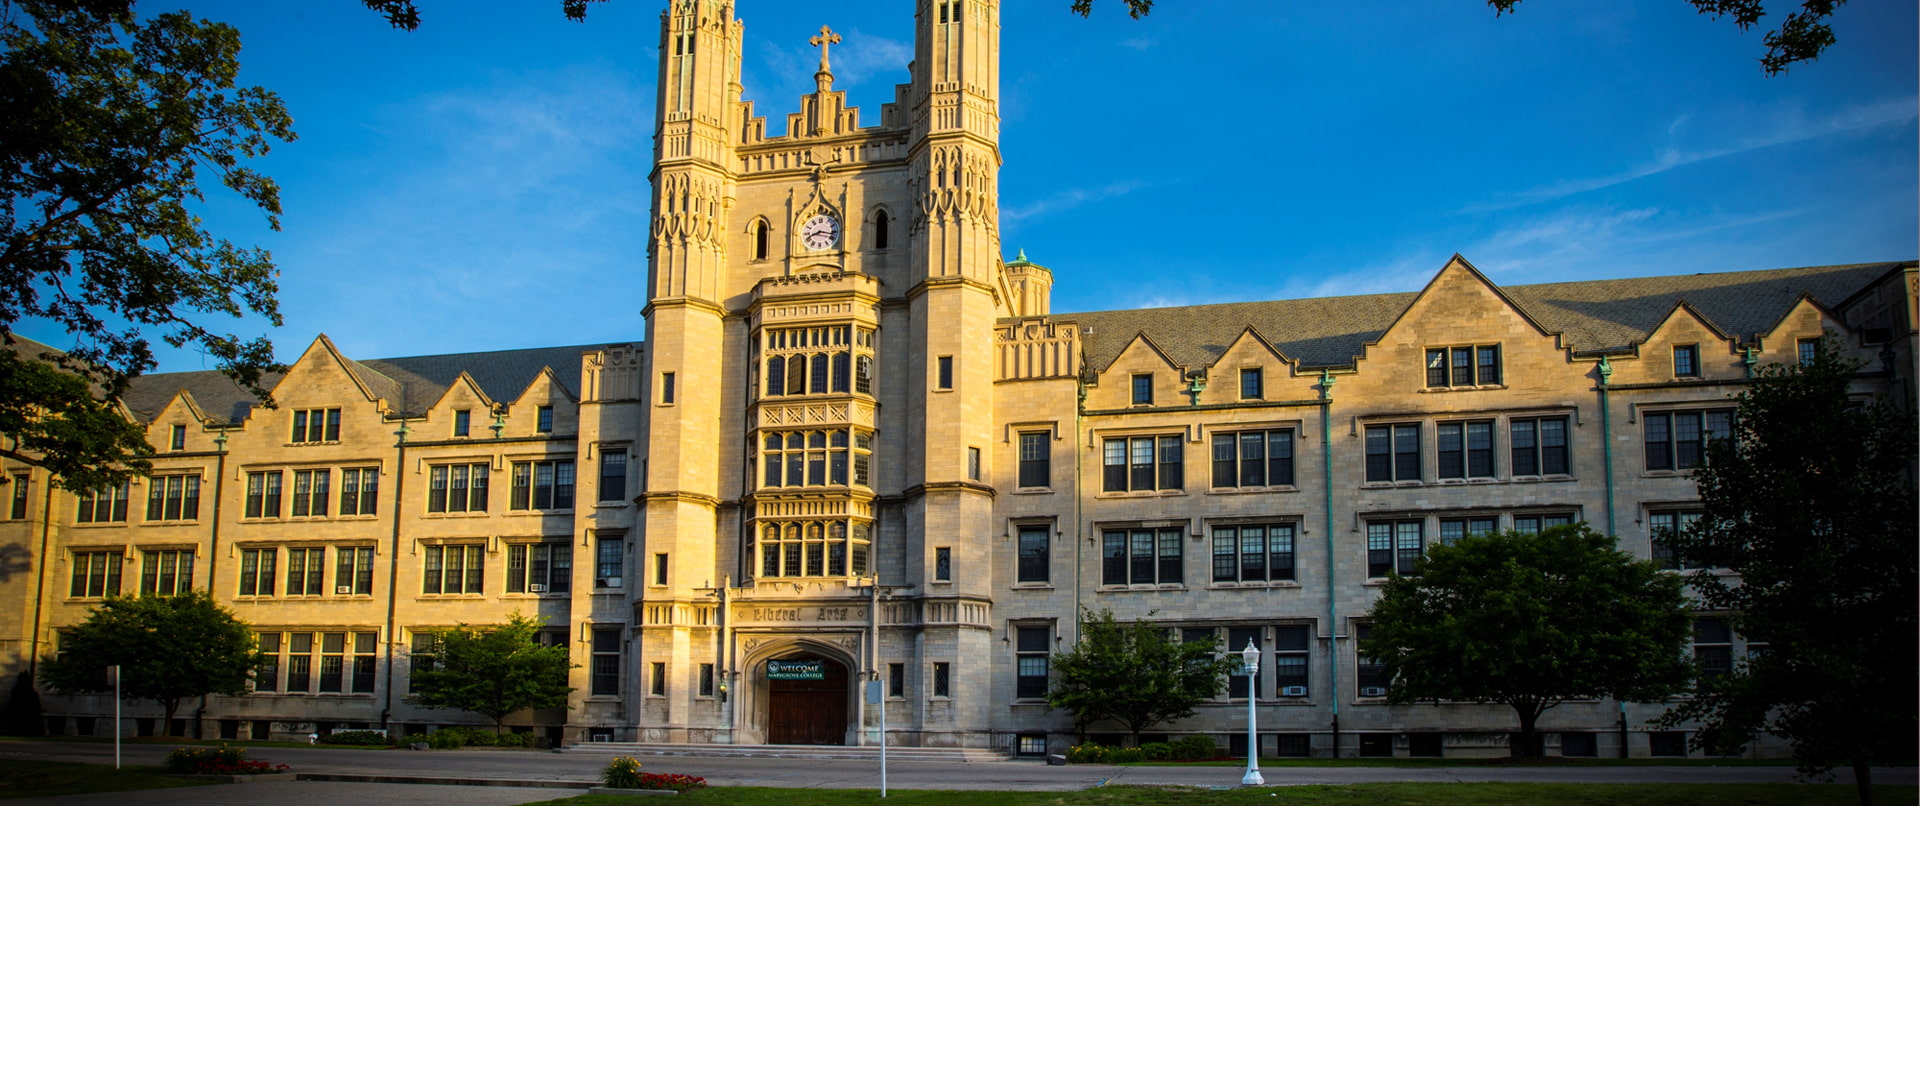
(808, 712)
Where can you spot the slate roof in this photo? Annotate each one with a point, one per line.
(503, 374)
(1330, 331)
(218, 396)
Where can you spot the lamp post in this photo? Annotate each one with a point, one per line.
(1250, 659)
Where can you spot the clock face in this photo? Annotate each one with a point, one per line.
(821, 232)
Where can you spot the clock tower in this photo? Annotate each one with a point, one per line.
(820, 334)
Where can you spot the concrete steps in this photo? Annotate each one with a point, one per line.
(947, 754)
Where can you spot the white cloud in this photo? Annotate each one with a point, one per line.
(1794, 126)
(1068, 200)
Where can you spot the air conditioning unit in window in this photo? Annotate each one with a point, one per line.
(608, 583)
(536, 588)
(1293, 691)
(342, 590)
(1373, 691)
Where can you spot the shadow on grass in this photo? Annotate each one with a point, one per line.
(46, 779)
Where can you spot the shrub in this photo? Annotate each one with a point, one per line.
(356, 738)
(222, 760)
(1196, 748)
(1087, 753)
(621, 772)
(1126, 755)
(1157, 751)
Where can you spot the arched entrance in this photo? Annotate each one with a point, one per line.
(806, 701)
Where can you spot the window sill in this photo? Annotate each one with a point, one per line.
(1033, 491)
(108, 524)
(1281, 584)
(437, 515)
(1461, 389)
(1366, 484)
(1461, 480)
(1159, 493)
(1274, 489)
(1169, 587)
(1033, 585)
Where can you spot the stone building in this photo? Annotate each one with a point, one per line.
(857, 447)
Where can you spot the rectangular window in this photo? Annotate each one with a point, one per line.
(1371, 675)
(1392, 547)
(542, 485)
(943, 564)
(263, 494)
(1809, 350)
(310, 496)
(1463, 365)
(1253, 553)
(1678, 440)
(462, 423)
(173, 498)
(706, 680)
(1031, 647)
(1290, 646)
(1540, 446)
(1143, 389)
(96, 573)
(973, 465)
(606, 663)
(105, 505)
(450, 568)
(363, 662)
(657, 679)
(666, 388)
(896, 680)
(333, 648)
(1238, 638)
(540, 568)
(1141, 557)
(1713, 647)
(659, 568)
(353, 571)
(610, 562)
(1534, 523)
(1665, 527)
(19, 509)
(359, 491)
(941, 687)
(266, 677)
(613, 474)
(1251, 384)
(1146, 463)
(543, 419)
(299, 663)
(1393, 452)
(306, 571)
(1452, 529)
(1035, 561)
(1036, 452)
(177, 439)
(257, 571)
(165, 573)
(316, 425)
(1464, 449)
(945, 364)
(1686, 360)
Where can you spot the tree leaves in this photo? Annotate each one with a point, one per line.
(107, 125)
(168, 648)
(1133, 674)
(1802, 36)
(493, 671)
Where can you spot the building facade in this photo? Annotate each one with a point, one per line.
(856, 464)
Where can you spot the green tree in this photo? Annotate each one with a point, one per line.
(107, 124)
(1530, 620)
(1811, 505)
(1134, 674)
(492, 670)
(169, 649)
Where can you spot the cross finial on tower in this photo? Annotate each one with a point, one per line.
(826, 37)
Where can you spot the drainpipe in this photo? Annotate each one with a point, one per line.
(40, 586)
(1079, 410)
(219, 484)
(1606, 439)
(1326, 479)
(393, 563)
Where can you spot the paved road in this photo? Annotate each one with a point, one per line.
(575, 768)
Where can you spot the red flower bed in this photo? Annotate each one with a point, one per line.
(222, 760)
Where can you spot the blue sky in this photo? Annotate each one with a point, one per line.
(482, 183)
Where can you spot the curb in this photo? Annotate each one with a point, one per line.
(461, 781)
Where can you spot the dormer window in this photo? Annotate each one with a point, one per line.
(462, 423)
(179, 437)
(1252, 386)
(1686, 360)
(1463, 365)
(1143, 389)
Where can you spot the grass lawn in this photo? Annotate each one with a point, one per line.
(1409, 793)
(42, 779)
(1488, 763)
